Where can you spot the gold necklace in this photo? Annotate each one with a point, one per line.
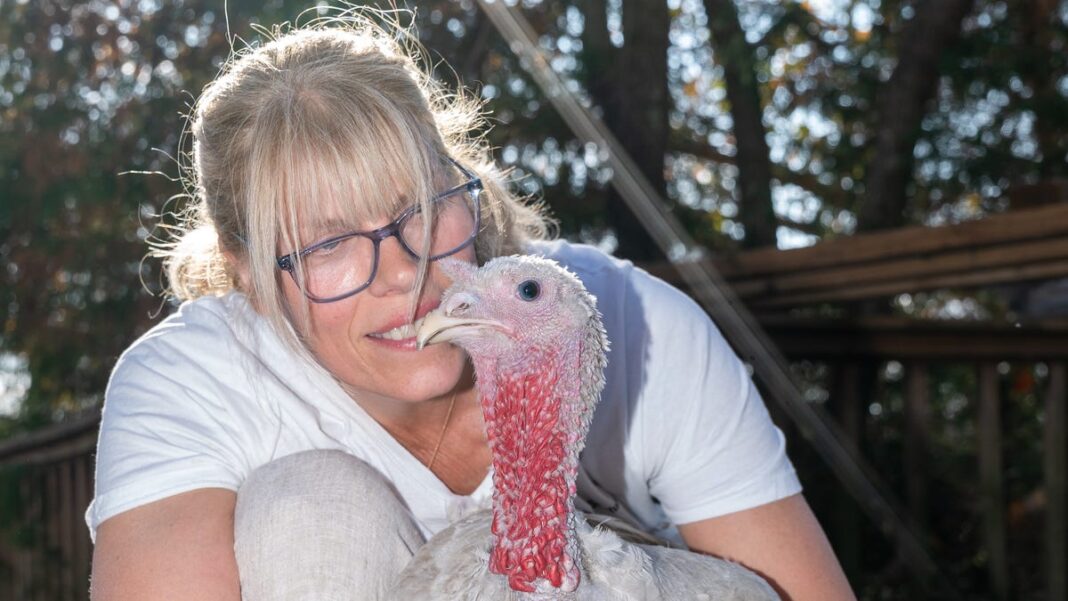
(441, 437)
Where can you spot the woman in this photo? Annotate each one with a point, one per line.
(280, 437)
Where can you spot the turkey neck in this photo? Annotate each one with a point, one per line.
(536, 425)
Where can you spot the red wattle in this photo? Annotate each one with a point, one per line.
(532, 475)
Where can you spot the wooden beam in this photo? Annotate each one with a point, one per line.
(850, 404)
(1042, 222)
(31, 502)
(978, 267)
(11, 449)
(990, 478)
(55, 449)
(67, 524)
(52, 545)
(987, 277)
(910, 339)
(905, 269)
(81, 559)
(1056, 471)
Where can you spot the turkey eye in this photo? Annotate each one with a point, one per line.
(529, 290)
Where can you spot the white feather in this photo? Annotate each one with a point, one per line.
(454, 566)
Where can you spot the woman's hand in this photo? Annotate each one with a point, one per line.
(180, 548)
(781, 541)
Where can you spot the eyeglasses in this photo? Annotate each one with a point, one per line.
(341, 266)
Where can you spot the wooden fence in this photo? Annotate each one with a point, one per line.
(47, 483)
(787, 288)
(919, 349)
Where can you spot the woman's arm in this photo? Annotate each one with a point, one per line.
(180, 548)
(783, 542)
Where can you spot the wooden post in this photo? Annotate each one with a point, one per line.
(1056, 471)
(917, 410)
(849, 404)
(990, 478)
(47, 573)
(30, 491)
(19, 582)
(65, 506)
(83, 470)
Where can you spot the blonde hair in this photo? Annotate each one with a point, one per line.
(336, 110)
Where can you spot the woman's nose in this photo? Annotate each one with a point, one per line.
(396, 269)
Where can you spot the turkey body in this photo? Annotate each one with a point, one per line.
(454, 565)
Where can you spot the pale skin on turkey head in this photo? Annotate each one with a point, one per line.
(525, 301)
(484, 312)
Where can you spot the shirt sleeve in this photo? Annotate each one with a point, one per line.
(167, 428)
(710, 445)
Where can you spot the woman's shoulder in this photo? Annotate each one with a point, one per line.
(200, 332)
(608, 278)
(583, 259)
(620, 286)
(193, 318)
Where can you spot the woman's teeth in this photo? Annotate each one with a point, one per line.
(401, 332)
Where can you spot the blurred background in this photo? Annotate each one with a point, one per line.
(883, 183)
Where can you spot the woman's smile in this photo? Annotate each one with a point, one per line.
(399, 333)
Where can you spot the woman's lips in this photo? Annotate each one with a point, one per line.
(407, 344)
(400, 334)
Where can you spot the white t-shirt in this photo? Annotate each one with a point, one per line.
(211, 393)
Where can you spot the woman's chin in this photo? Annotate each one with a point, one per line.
(425, 374)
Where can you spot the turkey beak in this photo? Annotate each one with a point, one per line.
(438, 327)
(451, 321)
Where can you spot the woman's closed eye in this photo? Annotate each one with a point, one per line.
(327, 248)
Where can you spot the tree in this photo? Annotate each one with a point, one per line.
(736, 56)
(902, 104)
(765, 116)
(86, 92)
(629, 83)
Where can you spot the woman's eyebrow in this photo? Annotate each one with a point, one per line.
(326, 227)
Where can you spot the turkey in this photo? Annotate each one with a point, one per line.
(538, 348)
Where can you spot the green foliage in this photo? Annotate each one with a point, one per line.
(89, 91)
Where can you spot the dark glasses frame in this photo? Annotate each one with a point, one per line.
(472, 186)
